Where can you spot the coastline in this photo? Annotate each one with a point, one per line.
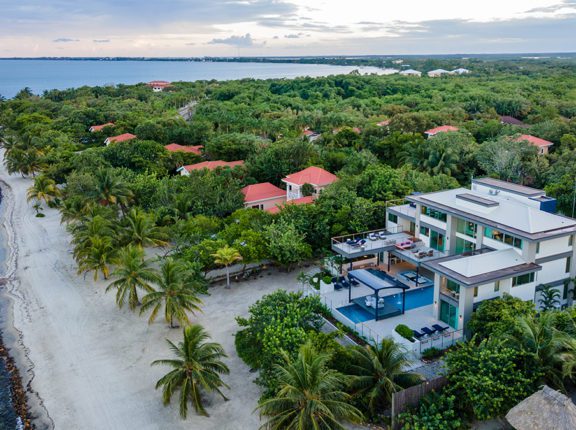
(27, 403)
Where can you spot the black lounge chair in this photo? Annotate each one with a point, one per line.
(338, 286)
(352, 242)
(354, 282)
(345, 283)
(417, 334)
(427, 331)
(359, 244)
(439, 328)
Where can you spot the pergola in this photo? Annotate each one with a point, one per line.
(377, 281)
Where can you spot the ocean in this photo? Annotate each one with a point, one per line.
(41, 75)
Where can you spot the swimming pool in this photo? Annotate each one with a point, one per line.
(355, 313)
(414, 298)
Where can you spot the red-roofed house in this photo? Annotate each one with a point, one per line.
(210, 165)
(95, 128)
(541, 144)
(158, 86)
(310, 135)
(174, 147)
(315, 176)
(441, 129)
(301, 201)
(263, 196)
(120, 138)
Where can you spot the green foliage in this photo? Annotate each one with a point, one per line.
(495, 317)
(233, 146)
(286, 246)
(432, 353)
(549, 298)
(405, 332)
(488, 379)
(436, 412)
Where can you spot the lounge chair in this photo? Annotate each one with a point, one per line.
(345, 283)
(373, 236)
(407, 244)
(352, 242)
(431, 253)
(370, 301)
(427, 331)
(354, 282)
(338, 286)
(382, 235)
(417, 334)
(439, 328)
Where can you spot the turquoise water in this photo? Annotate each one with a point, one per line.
(414, 298)
(42, 75)
(355, 313)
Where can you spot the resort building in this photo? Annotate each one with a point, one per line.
(411, 72)
(120, 138)
(460, 71)
(210, 165)
(541, 144)
(443, 253)
(310, 135)
(441, 129)
(159, 86)
(263, 196)
(315, 176)
(174, 147)
(437, 73)
(96, 128)
(510, 120)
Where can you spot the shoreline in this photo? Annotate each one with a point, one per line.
(27, 403)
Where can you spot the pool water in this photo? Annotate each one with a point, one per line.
(355, 313)
(414, 298)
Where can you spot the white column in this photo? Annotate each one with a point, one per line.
(417, 220)
(465, 306)
(450, 235)
(479, 236)
(436, 304)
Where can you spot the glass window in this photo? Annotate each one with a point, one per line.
(454, 286)
(466, 227)
(570, 240)
(537, 247)
(393, 218)
(568, 264)
(517, 243)
(475, 291)
(425, 231)
(523, 279)
(496, 286)
(433, 213)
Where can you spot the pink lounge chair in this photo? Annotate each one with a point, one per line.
(408, 244)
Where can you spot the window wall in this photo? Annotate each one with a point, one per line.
(433, 213)
(500, 236)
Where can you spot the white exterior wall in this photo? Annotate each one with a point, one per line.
(553, 247)
(486, 292)
(525, 292)
(552, 271)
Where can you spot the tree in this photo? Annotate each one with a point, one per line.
(177, 293)
(508, 159)
(307, 189)
(110, 190)
(96, 255)
(44, 189)
(225, 257)
(378, 372)
(197, 368)
(141, 231)
(233, 146)
(286, 245)
(133, 273)
(310, 395)
(549, 298)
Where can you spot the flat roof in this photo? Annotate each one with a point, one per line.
(509, 215)
(375, 279)
(472, 198)
(482, 267)
(509, 186)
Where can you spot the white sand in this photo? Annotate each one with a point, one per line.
(90, 361)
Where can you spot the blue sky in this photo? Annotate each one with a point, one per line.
(283, 27)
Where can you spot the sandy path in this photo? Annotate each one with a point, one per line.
(91, 361)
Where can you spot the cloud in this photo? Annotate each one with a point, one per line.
(101, 41)
(65, 40)
(294, 35)
(245, 41)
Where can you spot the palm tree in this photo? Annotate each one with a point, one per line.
(310, 395)
(44, 189)
(95, 255)
(537, 336)
(225, 257)
(141, 231)
(177, 292)
(89, 227)
(110, 190)
(378, 373)
(549, 298)
(133, 273)
(196, 369)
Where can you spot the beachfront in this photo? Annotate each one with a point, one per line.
(89, 360)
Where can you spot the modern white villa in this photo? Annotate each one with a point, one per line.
(443, 253)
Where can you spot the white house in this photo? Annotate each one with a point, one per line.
(438, 72)
(315, 176)
(495, 238)
(410, 72)
(460, 71)
(159, 86)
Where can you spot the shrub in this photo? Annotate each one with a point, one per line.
(327, 279)
(405, 332)
(432, 353)
(436, 412)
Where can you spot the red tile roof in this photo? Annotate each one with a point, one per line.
(384, 123)
(311, 175)
(174, 147)
(441, 129)
(121, 138)
(159, 84)
(301, 201)
(263, 191)
(211, 165)
(309, 133)
(100, 127)
(533, 140)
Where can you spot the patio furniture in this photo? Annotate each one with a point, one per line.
(427, 331)
(439, 328)
(338, 286)
(404, 246)
(431, 253)
(358, 244)
(417, 334)
(373, 236)
(370, 301)
(354, 282)
(345, 283)
(352, 242)
(382, 235)
(422, 254)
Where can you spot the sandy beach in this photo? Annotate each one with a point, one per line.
(87, 363)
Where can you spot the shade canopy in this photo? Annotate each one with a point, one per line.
(375, 279)
(543, 410)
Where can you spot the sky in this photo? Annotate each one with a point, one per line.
(186, 28)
